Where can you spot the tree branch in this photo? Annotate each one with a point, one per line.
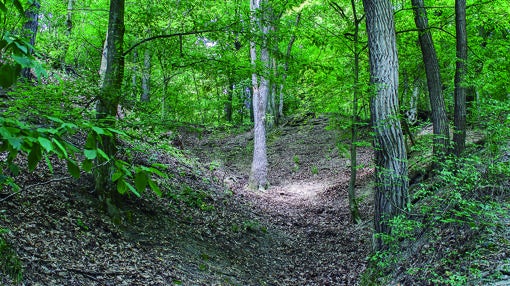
(172, 35)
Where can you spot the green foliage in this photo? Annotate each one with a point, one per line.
(191, 197)
(10, 263)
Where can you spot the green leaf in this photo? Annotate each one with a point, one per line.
(90, 143)
(117, 175)
(103, 154)
(141, 181)
(154, 187)
(90, 154)
(59, 145)
(23, 61)
(48, 163)
(34, 156)
(132, 189)
(86, 165)
(98, 130)
(121, 187)
(15, 143)
(45, 143)
(116, 131)
(73, 169)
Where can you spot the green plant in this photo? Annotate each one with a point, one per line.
(315, 170)
(10, 264)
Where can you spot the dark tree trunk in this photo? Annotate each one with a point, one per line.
(391, 182)
(30, 27)
(459, 134)
(435, 88)
(107, 105)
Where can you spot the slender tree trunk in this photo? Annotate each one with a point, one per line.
(286, 68)
(134, 76)
(258, 176)
(30, 27)
(459, 134)
(435, 88)
(107, 104)
(353, 203)
(391, 182)
(146, 77)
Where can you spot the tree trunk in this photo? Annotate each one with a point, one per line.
(146, 77)
(30, 27)
(459, 134)
(439, 119)
(391, 182)
(107, 104)
(286, 68)
(353, 203)
(258, 176)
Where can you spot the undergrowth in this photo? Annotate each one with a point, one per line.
(10, 264)
(456, 230)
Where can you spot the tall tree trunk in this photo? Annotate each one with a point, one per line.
(146, 77)
(391, 182)
(353, 203)
(107, 104)
(286, 68)
(258, 175)
(459, 134)
(439, 119)
(30, 27)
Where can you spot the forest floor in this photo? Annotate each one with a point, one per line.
(210, 229)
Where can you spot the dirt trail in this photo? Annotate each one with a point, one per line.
(298, 232)
(307, 201)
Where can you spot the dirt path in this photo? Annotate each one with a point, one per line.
(298, 232)
(307, 202)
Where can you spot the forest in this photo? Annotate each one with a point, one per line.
(236, 142)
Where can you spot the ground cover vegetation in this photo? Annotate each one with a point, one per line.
(254, 142)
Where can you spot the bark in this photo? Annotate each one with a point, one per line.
(434, 83)
(107, 104)
(31, 27)
(146, 77)
(258, 175)
(391, 182)
(353, 203)
(459, 134)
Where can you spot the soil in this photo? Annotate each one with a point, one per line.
(214, 231)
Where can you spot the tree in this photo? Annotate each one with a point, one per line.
(459, 134)
(356, 50)
(107, 105)
(391, 182)
(435, 87)
(31, 26)
(259, 55)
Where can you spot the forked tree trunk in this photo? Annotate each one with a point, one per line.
(107, 104)
(258, 175)
(391, 182)
(459, 134)
(439, 119)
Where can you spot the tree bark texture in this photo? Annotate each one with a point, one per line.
(107, 104)
(146, 77)
(459, 134)
(353, 203)
(391, 190)
(30, 27)
(261, 69)
(439, 119)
